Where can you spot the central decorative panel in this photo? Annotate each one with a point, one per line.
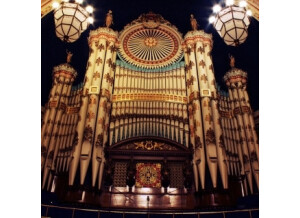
(148, 175)
(150, 42)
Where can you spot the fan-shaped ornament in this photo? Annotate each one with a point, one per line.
(150, 42)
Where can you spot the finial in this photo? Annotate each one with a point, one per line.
(69, 56)
(109, 19)
(232, 60)
(194, 23)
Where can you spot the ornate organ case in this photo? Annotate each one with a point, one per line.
(152, 128)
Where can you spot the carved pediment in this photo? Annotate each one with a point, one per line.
(148, 144)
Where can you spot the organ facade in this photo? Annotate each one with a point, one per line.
(149, 123)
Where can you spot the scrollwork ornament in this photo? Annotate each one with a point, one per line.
(221, 141)
(99, 141)
(210, 137)
(88, 134)
(198, 143)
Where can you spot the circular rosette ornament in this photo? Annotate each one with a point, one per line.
(150, 43)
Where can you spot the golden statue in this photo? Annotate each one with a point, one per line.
(69, 56)
(232, 61)
(109, 19)
(194, 23)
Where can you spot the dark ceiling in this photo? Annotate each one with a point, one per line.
(175, 11)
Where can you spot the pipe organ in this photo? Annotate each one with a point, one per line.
(149, 102)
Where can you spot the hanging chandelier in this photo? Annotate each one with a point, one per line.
(71, 19)
(231, 22)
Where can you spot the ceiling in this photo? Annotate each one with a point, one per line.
(53, 51)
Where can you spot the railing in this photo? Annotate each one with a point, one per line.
(58, 211)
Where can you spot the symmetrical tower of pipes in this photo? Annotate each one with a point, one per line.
(148, 81)
(91, 130)
(58, 119)
(206, 133)
(237, 121)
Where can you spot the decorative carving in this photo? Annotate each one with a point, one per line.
(208, 118)
(246, 109)
(150, 42)
(99, 141)
(232, 61)
(69, 56)
(90, 115)
(148, 175)
(194, 23)
(210, 137)
(190, 81)
(221, 141)
(203, 77)
(149, 145)
(99, 61)
(88, 134)
(189, 66)
(202, 64)
(188, 51)
(200, 49)
(101, 47)
(109, 19)
(237, 111)
(92, 100)
(109, 79)
(198, 143)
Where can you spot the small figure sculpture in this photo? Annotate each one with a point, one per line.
(232, 61)
(194, 23)
(69, 56)
(109, 19)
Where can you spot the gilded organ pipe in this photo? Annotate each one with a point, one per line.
(51, 121)
(195, 120)
(247, 166)
(220, 149)
(82, 112)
